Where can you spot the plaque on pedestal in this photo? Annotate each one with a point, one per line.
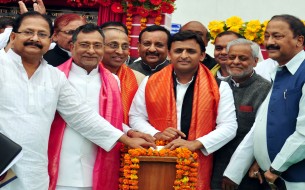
(157, 172)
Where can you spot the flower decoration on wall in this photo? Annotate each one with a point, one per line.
(252, 30)
(138, 6)
(186, 166)
(143, 8)
(80, 3)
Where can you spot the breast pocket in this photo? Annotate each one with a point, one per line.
(292, 98)
(46, 99)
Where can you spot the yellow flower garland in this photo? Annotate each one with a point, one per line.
(186, 167)
(252, 30)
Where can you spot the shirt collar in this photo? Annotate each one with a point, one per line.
(295, 62)
(292, 65)
(218, 74)
(14, 57)
(80, 71)
(235, 84)
(17, 58)
(156, 66)
(188, 83)
(68, 52)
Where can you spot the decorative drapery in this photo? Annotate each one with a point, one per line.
(107, 13)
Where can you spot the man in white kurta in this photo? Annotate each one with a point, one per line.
(30, 93)
(78, 154)
(226, 118)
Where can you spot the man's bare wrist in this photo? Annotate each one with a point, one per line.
(198, 145)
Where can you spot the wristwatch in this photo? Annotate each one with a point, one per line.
(272, 185)
(272, 170)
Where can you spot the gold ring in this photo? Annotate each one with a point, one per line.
(255, 173)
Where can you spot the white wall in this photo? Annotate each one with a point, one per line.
(208, 10)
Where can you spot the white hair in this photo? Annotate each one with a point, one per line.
(240, 41)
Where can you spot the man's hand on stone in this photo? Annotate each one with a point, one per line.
(191, 145)
(169, 134)
(140, 143)
(136, 134)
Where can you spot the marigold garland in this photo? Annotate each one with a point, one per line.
(158, 20)
(186, 167)
(143, 23)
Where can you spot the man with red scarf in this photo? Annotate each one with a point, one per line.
(75, 163)
(116, 52)
(184, 100)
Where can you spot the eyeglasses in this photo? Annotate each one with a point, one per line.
(68, 32)
(41, 35)
(96, 46)
(115, 46)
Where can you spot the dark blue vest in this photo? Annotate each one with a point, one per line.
(282, 116)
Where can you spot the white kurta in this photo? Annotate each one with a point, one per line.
(265, 68)
(27, 110)
(78, 154)
(226, 117)
(255, 142)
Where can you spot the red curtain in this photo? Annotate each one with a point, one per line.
(105, 14)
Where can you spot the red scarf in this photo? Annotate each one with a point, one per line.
(161, 109)
(107, 164)
(129, 87)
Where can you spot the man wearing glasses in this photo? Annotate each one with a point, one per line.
(115, 55)
(79, 157)
(64, 26)
(31, 92)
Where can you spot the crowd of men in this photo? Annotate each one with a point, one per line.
(70, 105)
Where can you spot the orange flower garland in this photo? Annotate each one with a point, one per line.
(143, 22)
(186, 167)
(129, 24)
(158, 20)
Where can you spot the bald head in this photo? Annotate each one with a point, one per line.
(198, 28)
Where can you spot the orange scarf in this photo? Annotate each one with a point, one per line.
(129, 87)
(161, 109)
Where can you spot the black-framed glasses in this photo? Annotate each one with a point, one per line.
(68, 32)
(29, 34)
(115, 46)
